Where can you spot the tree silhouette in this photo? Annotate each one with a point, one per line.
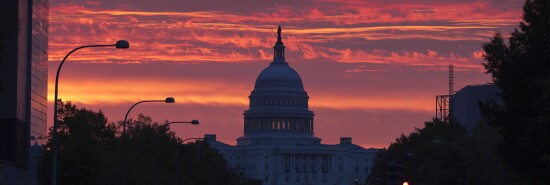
(521, 68)
(442, 153)
(87, 148)
(90, 153)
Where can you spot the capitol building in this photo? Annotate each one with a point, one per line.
(279, 146)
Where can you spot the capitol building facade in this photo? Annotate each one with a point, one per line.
(279, 146)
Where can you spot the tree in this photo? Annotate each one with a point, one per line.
(442, 153)
(90, 153)
(521, 69)
(204, 165)
(150, 152)
(86, 142)
(151, 155)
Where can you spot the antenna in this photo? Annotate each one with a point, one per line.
(443, 102)
(451, 80)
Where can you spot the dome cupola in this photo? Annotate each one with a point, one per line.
(278, 103)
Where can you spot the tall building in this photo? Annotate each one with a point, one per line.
(279, 146)
(23, 86)
(465, 103)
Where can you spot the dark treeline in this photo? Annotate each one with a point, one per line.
(443, 153)
(511, 145)
(90, 153)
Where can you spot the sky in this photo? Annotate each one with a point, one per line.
(372, 68)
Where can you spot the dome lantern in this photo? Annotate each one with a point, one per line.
(279, 49)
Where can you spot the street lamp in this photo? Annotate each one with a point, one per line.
(121, 44)
(167, 100)
(193, 122)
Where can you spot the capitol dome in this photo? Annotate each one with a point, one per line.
(279, 75)
(278, 103)
(278, 145)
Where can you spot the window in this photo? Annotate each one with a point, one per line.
(266, 166)
(340, 168)
(266, 179)
(287, 163)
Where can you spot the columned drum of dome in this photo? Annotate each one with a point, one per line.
(278, 104)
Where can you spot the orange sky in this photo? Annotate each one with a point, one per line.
(371, 68)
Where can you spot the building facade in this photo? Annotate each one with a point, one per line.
(279, 146)
(23, 86)
(465, 103)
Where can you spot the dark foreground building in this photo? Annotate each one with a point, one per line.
(23, 87)
(465, 103)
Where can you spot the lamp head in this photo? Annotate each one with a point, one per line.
(122, 44)
(194, 122)
(170, 100)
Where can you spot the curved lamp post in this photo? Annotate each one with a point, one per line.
(121, 44)
(193, 122)
(178, 152)
(167, 100)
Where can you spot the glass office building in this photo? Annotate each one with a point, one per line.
(23, 87)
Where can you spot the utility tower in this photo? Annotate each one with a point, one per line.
(443, 102)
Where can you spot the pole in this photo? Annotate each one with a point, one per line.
(156, 158)
(124, 138)
(55, 124)
(177, 163)
(178, 156)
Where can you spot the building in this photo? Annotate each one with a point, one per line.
(279, 146)
(23, 86)
(465, 103)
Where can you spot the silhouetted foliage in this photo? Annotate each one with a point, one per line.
(87, 148)
(443, 153)
(521, 69)
(90, 153)
(204, 165)
(150, 152)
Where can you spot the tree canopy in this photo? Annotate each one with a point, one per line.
(90, 153)
(443, 153)
(521, 69)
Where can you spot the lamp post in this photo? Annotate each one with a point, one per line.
(167, 100)
(178, 154)
(121, 44)
(193, 122)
